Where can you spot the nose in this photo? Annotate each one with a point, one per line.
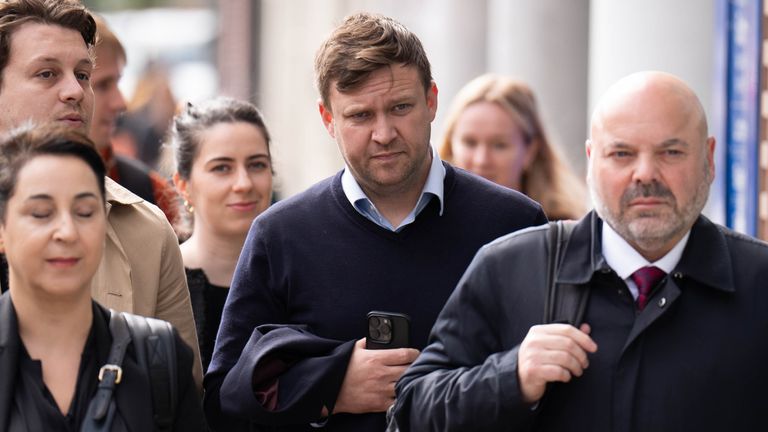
(118, 101)
(65, 230)
(383, 130)
(481, 155)
(645, 169)
(72, 90)
(243, 182)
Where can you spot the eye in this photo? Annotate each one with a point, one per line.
(46, 74)
(83, 76)
(41, 214)
(468, 142)
(362, 115)
(500, 145)
(258, 166)
(402, 108)
(84, 214)
(620, 154)
(673, 152)
(223, 168)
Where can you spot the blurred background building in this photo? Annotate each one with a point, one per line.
(569, 51)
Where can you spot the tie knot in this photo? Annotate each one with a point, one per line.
(645, 279)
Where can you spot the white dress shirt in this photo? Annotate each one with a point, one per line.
(625, 260)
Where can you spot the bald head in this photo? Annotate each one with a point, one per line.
(650, 161)
(669, 96)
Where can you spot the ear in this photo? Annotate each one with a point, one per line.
(588, 148)
(531, 150)
(327, 116)
(432, 101)
(711, 157)
(181, 186)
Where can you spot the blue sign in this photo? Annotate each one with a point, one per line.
(743, 63)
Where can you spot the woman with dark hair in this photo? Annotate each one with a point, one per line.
(494, 129)
(56, 343)
(224, 176)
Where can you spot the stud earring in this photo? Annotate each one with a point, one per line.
(190, 208)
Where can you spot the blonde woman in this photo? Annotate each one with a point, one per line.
(494, 130)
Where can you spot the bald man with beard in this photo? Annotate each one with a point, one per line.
(673, 336)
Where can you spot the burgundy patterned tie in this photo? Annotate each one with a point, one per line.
(645, 279)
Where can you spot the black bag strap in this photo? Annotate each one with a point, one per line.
(156, 351)
(101, 410)
(563, 303)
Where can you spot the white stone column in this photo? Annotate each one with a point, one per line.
(545, 43)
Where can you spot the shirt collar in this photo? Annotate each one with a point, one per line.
(625, 260)
(434, 184)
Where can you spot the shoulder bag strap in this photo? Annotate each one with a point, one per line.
(565, 303)
(161, 348)
(553, 255)
(156, 353)
(101, 410)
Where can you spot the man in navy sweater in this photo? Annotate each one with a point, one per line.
(393, 231)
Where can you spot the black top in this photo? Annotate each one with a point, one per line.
(314, 260)
(25, 404)
(207, 303)
(35, 408)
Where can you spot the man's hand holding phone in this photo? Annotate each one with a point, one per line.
(376, 364)
(369, 384)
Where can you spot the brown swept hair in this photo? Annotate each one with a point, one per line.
(69, 14)
(364, 43)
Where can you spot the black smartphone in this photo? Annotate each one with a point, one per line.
(388, 330)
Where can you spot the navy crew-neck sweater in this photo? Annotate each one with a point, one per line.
(314, 260)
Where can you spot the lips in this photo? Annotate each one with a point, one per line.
(63, 262)
(243, 206)
(385, 157)
(647, 202)
(72, 119)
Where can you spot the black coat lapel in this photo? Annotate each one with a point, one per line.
(9, 356)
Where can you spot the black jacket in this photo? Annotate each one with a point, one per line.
(694, 359)
(133, 394)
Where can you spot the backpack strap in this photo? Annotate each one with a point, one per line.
(563, 303)
(156, 351)
(101, 410)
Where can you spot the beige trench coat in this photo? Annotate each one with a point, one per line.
(141, 271)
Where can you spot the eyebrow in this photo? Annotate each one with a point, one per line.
(664, 144)
(81, 62)
(674, 142)
(229, 159)
(46, 197)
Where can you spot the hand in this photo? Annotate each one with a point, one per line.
(552, 352)
(369, 385)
